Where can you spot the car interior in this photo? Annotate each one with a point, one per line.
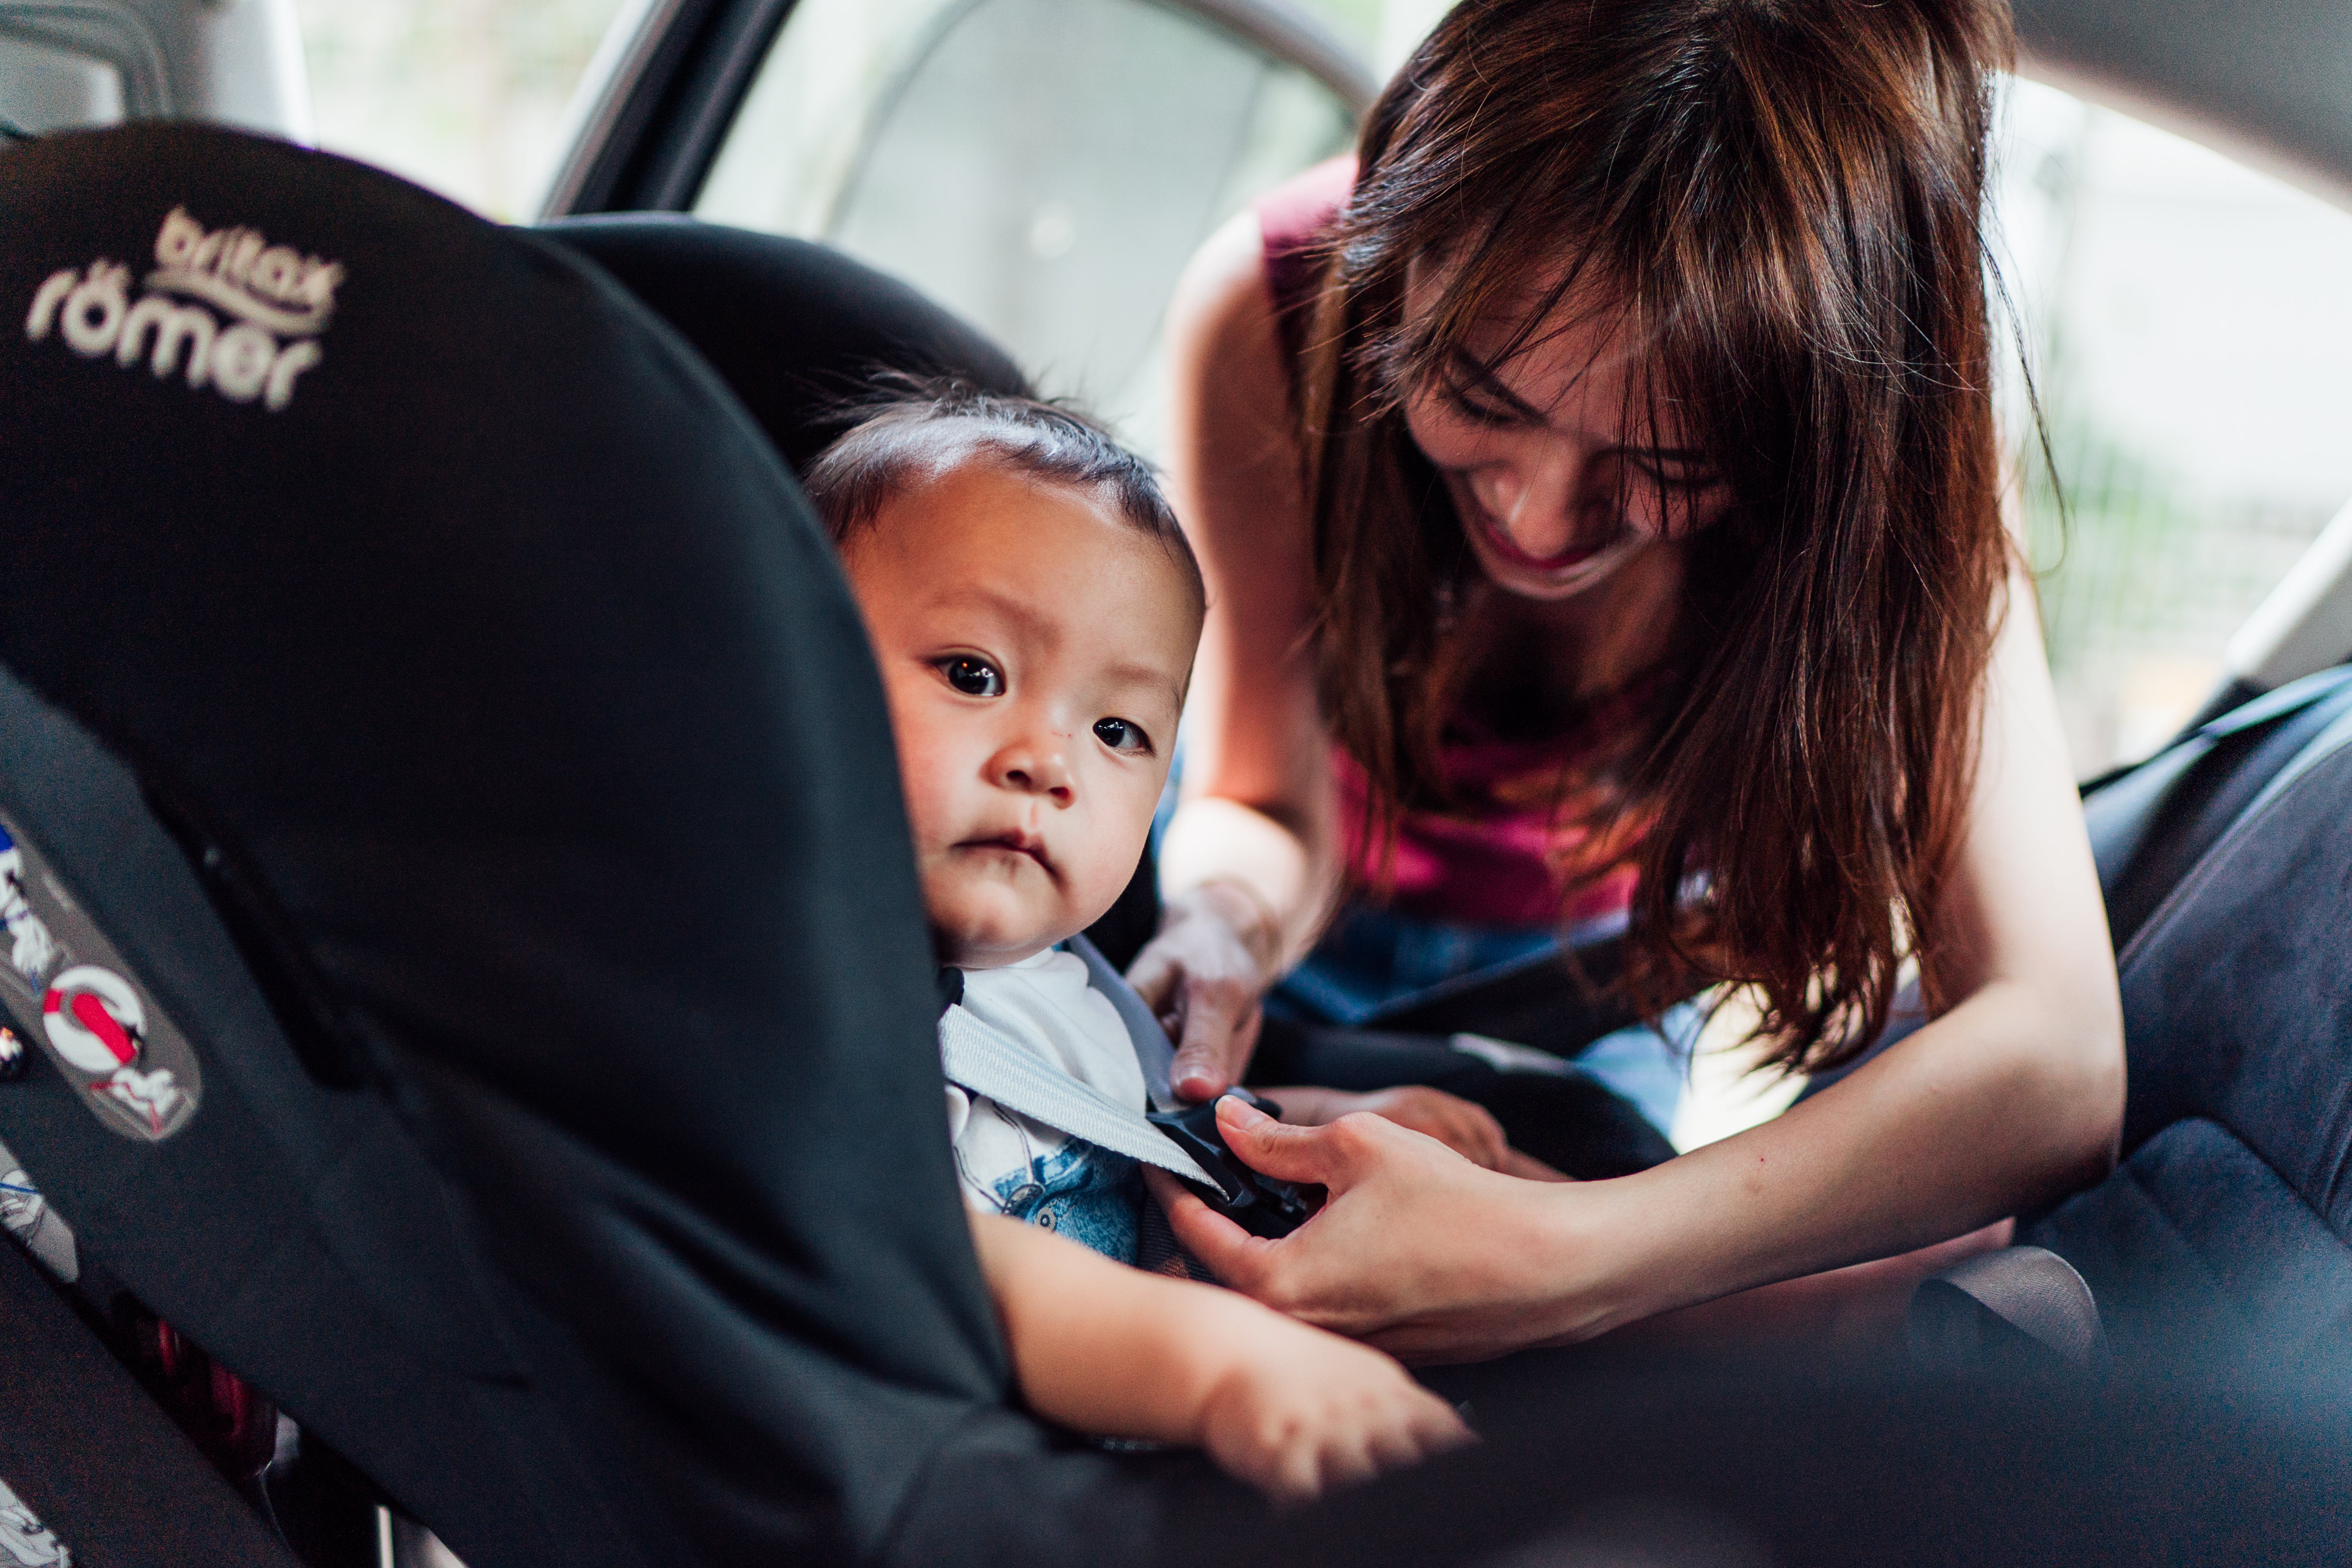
(468, 996)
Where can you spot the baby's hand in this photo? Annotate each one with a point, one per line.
(1304, 1411)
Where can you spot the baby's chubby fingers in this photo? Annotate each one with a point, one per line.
(1310, 1411)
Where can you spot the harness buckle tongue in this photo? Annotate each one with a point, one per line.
(1262, 1205)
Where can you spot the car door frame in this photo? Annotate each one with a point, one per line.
(666, 84)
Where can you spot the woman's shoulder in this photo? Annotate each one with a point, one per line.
(1294, 214)
(1292, 219)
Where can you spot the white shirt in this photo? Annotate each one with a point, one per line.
(1043, 1004)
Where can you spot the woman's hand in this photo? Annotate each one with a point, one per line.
(1204, 975)
(1418, 1251)
(1470, 1130)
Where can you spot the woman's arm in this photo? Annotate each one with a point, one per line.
(1249, 864)
(1103, 1348)
(2013, 1096)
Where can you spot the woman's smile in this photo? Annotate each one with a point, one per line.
(1586, 556)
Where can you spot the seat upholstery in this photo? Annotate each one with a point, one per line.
(796, 371)
(522, 741)
(2227, 1234)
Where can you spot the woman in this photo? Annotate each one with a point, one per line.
(1637, 415)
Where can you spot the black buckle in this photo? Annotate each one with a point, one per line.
(1261, 1204)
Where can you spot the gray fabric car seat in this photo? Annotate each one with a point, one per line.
(2226, 1237)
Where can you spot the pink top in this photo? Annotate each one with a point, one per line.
(1508, 854)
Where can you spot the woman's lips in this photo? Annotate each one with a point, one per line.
(1508, 549)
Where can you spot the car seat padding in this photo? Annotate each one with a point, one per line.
(98, 1463)
(2228, 1233)
(797, 372)
(504, 666)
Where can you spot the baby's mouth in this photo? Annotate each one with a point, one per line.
(1020, 841)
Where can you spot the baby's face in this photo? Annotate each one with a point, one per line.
(1036, 649)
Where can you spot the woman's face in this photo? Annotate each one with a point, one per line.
(1561, 473)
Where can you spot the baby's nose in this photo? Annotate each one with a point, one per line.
(1035, 766)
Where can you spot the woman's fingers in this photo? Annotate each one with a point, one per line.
(1154, 974)
(1327, 1155)
(1224, 1248)
(1527, 1168)
(1202, 982)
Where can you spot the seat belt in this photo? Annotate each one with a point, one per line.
(1153, 1052)
(87, 1451)
(1178, 1137)
(983, 1061)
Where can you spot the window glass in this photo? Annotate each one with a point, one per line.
(2187, 320)
(467, 97)
(45, 86)
(1042, 167)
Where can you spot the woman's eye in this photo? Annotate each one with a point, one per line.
(1687, 480)
(1121, 735)
(973, 677)
(1478, 410)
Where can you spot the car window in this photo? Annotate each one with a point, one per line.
(63, 67)
(468, 97)
(2187, 319)
(1042, 167)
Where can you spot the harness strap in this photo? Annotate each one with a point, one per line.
(985, 1061)
(1153, 1053)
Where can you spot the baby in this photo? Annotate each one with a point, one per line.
(1035, 610)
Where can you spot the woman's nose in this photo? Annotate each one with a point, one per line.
(1035, 765)
(1537, 501)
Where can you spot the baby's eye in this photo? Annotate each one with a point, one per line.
(973, 677)
(1122, 735)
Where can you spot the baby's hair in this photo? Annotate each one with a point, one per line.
(916, 431)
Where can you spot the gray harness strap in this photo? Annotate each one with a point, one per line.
(984, 1062)
(1153, 1054)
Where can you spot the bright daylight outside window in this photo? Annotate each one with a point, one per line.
(467, 97)
(2188, 323)
(1044, 166)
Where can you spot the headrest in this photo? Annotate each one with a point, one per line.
(795, 328)
(488, 665)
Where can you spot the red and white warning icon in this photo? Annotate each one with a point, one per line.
(93, 1018)
(67, 986)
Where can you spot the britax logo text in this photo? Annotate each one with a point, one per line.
(277, 302)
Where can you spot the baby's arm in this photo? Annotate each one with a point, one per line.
(1105, 1349)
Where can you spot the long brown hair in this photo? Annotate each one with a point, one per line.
(1784, 196)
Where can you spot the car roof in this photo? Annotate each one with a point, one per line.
(2269, 81)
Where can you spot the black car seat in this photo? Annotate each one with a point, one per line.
(800, 372)
(428, 688)
(2226, 1234)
